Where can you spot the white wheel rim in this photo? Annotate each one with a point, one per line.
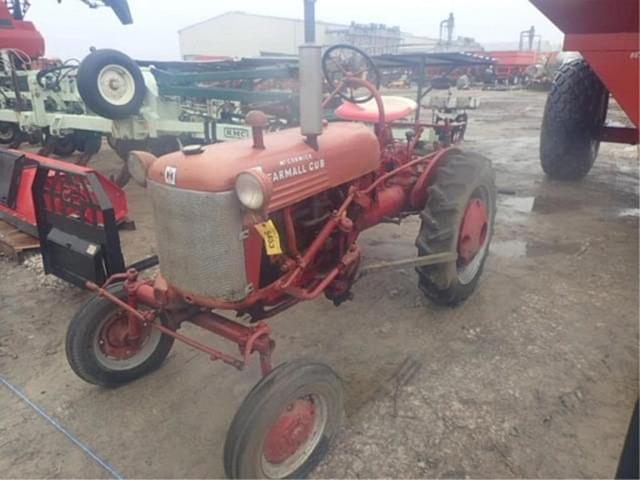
(116, 85)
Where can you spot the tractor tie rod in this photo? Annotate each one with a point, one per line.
(409, 262)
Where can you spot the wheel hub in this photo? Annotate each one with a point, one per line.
(291, 431)
(116, 85)
(473, 231)
(114, 340)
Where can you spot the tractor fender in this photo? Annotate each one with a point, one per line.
(418, 195)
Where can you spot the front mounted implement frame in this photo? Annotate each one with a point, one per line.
(77, 229)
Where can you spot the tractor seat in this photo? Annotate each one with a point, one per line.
(395, 108)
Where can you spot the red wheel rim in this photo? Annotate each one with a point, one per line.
(473, 231)
(291, 431)
(114, 340)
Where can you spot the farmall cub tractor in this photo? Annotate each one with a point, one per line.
(250, 228)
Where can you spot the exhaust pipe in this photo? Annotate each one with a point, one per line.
(310, 78)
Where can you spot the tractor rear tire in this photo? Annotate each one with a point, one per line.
(111, 84)
(461, 178)
(90, 330)
(574, 115)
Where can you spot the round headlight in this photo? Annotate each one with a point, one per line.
(252, 190)
(138, 164)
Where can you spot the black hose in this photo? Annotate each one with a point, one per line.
(43, 73)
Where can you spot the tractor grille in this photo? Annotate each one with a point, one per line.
(198, 236)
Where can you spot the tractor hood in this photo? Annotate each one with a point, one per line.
(297, 171)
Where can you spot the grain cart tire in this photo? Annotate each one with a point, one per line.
(8, 132)
(286, 424)
(111, 84)
(458, 217)
(98, 350)
(574, 115)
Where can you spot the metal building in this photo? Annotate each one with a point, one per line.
(239, 34)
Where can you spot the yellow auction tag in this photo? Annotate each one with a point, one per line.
(269, 234)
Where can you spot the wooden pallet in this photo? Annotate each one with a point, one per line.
(13, 242)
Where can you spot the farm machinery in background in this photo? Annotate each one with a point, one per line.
(526, 67)
(30, 84)
(21, 54)
(71, 107)
(605, 33)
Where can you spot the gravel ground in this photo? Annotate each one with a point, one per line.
(534, 376)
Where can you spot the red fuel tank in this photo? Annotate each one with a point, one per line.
(297, 171)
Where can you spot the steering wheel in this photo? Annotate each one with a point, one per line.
(342, 61)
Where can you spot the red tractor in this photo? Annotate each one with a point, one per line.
(252, 227)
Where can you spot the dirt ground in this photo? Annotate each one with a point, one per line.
(534, 376)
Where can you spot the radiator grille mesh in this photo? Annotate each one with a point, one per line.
(198, 241)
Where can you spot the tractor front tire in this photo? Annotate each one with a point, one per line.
(99, 352)
(462, 193)
(574, 115)
(286, 424)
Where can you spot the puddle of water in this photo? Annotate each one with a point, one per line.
(629, 212)
(541, 205)
(532, 249)
(538, 249)
(548, 205)
(518, 204)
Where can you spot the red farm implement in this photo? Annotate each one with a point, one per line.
(511, 67)
(73, 210)
(605, 32)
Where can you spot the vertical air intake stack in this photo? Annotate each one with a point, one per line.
(310, 76)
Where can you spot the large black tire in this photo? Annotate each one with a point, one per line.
(245, 453)
(111, 84)
(85, 355)
(574, 115)
(65, 146)
(461, 178)
(8, 132)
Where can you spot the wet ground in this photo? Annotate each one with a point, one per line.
(534, 376)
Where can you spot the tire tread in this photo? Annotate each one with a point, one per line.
(447, 198)
(572, 118)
